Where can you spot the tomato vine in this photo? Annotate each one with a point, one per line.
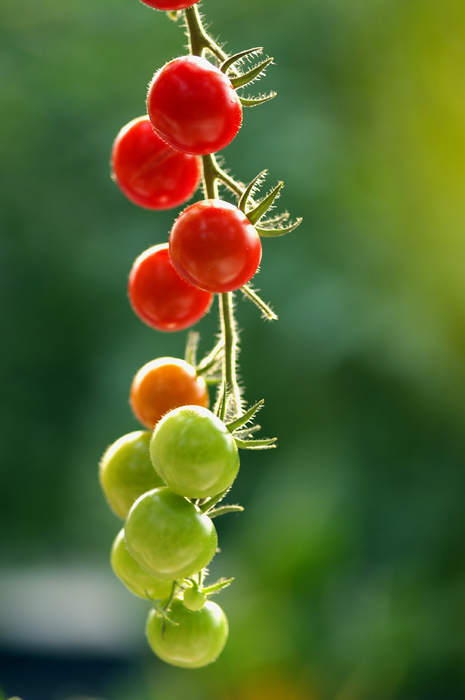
(168, 485)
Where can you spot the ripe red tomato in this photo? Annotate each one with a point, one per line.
(149, 172)
(164, 384)
(169, 4)
(214, 246)
(160, 297)
(193, 106)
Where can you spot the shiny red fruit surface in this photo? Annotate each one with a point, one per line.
(214, 246)
(150, 172)
(160, 297)
(193, 106)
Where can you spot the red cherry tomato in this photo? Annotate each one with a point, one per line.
(149, 172)
(214, 246)
(193, 106)
(164, 384)
(169, 4)
(160, 297)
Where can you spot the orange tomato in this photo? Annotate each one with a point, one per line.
(164, 384)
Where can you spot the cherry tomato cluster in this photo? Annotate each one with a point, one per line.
(167, 481)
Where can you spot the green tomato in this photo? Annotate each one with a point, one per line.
(194, 453)
(169, 536)
(133, 576)
(194, 640)
(126, 471)
(194, 599)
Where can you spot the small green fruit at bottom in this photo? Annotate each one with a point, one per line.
(194, 640)
(194, 599)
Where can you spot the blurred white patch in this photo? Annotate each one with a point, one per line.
(74, 608)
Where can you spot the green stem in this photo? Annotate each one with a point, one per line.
(229, 334)
(210, 177)
(199, 41)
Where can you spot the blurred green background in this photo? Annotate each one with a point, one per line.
(350, 556)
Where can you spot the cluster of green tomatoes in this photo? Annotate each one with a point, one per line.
(164, 483)
(167, 481)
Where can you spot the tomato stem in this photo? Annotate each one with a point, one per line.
(227, 321)
(199, 40)
(210, 176)
(229, 334)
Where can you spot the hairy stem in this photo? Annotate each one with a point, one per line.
(210, 177)
(199, 41)
(229, 334)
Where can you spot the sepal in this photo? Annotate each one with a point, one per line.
(222, 510)
(226, 65)
(271, 232)
(262, 207)
(255, 101)
(266, 310)
(266, 444)
(251, 75)
(248, 415)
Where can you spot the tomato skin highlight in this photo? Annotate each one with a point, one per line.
(169, 5)
(195, 640)
(136, 579)
(160, 297)
(214, 246)
(194, 453)
(126, 471)
(149, 171)
(193, 106)
(169, 536)
(162, 385)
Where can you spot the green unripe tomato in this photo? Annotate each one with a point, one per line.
(133, 576)
(194, 599)
(126, 471)
(196, 639)
(169, 536)
(194, 453)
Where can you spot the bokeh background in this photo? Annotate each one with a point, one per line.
(350, 556)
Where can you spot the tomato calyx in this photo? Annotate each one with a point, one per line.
(241, 432)
(269, 227)
(241, 79)
(195, 595)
